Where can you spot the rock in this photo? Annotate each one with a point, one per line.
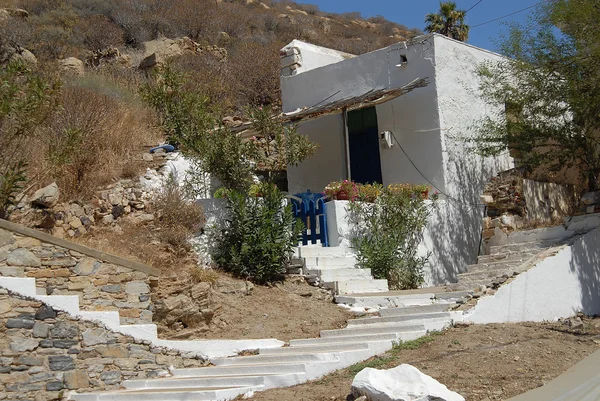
(238, 287)
(23, 257)
(64, 330)
(108, 219)
(96, 336)
(20, 323)
(200, 291)
(6, 238)
(137, 287)
(45, 312)
(72, 66)
(403, 383)
(46, 197)
(24, 55)
(147, 157)
(111, 377)
(40, 330)
(591, 198)
(75, 223)
(24, 344)
(76, 380)
(118, 211)
(61, 362)
(86, 267)
(54, 386)
(112, 288)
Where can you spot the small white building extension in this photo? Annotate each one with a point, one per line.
(397, 115)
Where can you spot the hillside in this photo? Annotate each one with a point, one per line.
(251, 32)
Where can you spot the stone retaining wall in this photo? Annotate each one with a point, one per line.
(103, 282)
(46, 353)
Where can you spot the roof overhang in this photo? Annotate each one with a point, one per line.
(370, 98)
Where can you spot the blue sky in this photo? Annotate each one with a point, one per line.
(412, 13)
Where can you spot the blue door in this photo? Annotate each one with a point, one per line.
(365, 162)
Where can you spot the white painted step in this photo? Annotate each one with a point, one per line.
(321, 251)
(275, 359)
(328, 275)
(23, 286)
(67, 303)
(218, 348)
(110, 318)
(343, 340)
(245, 370)
(267, 381)
(414, 319)
(148, 332)
(416, 310)
(329, 262)
(356, 331)
(358, 286)
(385, 300)
(190, 394)
(321, 348)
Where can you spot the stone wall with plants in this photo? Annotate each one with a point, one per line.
(47, 353)
(66, 270)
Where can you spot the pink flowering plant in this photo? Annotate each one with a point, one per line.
(342, 190)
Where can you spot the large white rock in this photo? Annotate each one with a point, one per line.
(403, 383)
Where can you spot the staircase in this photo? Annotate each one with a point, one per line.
(298, 362)
(335, 268)
(143, 332)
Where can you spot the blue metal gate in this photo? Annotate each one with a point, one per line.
(310, 209)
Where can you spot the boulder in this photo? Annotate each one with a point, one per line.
(72, 66)
(591, 198)
(46, 197)
(403, 383)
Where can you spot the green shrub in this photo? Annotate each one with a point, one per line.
(387, 234)
(257, 240)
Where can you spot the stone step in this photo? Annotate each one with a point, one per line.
(493, 266)
(416, 310)
(67, 303)
(245, 370)
(329, 261)
(453, 295)
(267, 381)
(194, 382)
(344, 339)
(328, 275)
(522, 247)
(194, 393)
(387, 329)
(390, 299)
(506, 257)
(358, 286)
(321, 251)
(316, 348)
(556, 233)
(275, 359)
(414, 319)
(109, 318)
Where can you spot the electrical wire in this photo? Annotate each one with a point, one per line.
(504, 16)
(474, 5)
(431, 183)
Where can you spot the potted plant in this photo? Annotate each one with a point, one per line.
(369, 192)
(342, 190)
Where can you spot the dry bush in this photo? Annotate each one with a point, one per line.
(98, 32)
(177, 217)
(204, 275)
(87, 143)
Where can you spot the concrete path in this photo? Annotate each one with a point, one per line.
(580, 383)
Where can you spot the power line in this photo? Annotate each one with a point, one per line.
(474, 5)
(504, 16)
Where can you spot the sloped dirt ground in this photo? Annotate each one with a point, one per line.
(483, 363)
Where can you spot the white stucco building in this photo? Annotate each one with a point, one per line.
(397, 115)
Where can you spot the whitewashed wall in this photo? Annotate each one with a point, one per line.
(430, 125)
(328, 163)
(558, 287)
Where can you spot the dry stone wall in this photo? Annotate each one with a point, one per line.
(62, 270)
(45, 353)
